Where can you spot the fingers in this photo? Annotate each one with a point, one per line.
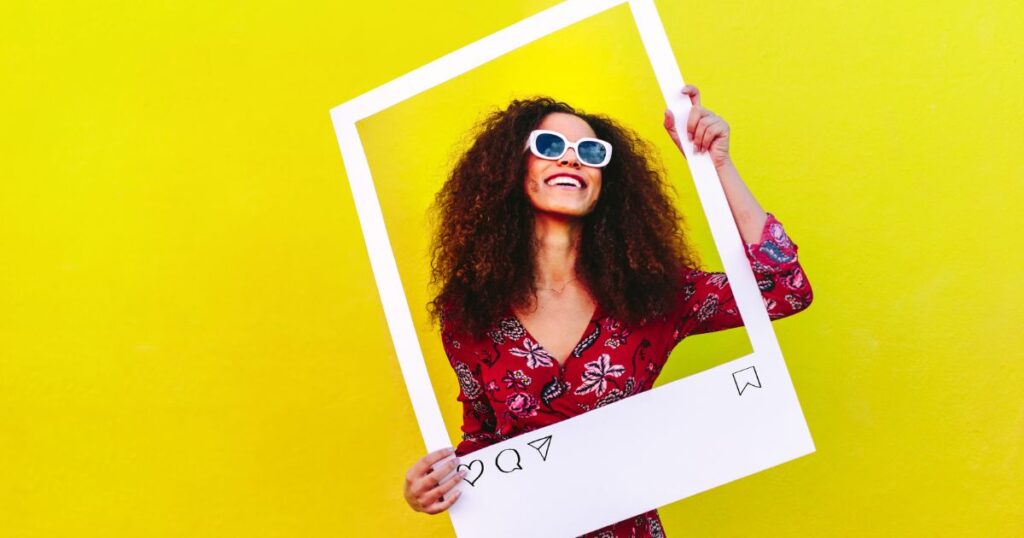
(715, 130)
(670, 126)
(697, 113)
(423, 466)
(699, 131)
(703, 135)
(423, 485)
(707, 129)
(440, 471)
(425, 476)
(447, 485)
(434, 500)
(443, 504)
(703, 127)
(693, 93)
(692, 122)
(438, 499)
(438, 455)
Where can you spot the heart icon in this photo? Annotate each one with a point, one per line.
(474, 471)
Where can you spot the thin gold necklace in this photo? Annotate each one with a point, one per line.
(558, 291)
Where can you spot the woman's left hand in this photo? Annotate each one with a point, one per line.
(707, 131)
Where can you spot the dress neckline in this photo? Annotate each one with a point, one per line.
(560, 365)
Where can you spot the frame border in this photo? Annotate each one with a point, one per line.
(712, 197)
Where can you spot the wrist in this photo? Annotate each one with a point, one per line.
(724, 164)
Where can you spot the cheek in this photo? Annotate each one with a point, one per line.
(532, 182)
(534, 171)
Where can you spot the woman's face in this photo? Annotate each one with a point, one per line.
(543, 188)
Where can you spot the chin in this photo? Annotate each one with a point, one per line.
(564, 212)
(560, 208)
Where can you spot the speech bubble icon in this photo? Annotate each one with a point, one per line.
(508, 461)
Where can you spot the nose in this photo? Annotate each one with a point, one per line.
(566, 160)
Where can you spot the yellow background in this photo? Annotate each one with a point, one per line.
(191, 343)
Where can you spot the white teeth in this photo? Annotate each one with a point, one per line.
(565, 181)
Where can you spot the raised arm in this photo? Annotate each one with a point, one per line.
(710, 133)
(706, 303)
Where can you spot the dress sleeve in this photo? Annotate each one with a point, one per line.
(706, 302)
(478, 422)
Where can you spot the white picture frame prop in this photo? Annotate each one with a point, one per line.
(668, 443)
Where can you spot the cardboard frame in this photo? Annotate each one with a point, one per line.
(685, 437)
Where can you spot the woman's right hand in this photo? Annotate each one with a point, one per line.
(424, 490)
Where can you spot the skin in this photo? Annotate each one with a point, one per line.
(710, 134)
(426, 486)
(563, 305)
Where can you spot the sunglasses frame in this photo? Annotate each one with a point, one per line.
(531, 144)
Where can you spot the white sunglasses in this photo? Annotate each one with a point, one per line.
(552, 145)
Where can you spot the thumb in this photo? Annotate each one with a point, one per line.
(670, 126)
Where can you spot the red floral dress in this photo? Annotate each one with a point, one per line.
(510, 385)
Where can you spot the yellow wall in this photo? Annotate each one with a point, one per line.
(191, 343)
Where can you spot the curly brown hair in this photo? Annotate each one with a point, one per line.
(632, 250)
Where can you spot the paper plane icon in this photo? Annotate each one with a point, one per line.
(542, 445)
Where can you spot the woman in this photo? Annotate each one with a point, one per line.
(565, 280)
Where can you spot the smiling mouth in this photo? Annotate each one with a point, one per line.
(566, 180)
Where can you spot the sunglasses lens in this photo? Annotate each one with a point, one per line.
(592, 153)
(550, 146)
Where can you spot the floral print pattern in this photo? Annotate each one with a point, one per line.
(536, 356)
(596, 374)
(628, 389)
(553, 389)
(511, 328)
(708, 308)
(587, 341)
(516, 379)
(522, 405)
(617, 332)
(469, 385)
(509, 384)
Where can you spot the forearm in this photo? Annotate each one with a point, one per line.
(748, 213)
(710, 133)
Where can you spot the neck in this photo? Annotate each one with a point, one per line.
(557, 239)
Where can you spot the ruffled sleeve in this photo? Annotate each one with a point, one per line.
(478, 422)
(706, 302)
